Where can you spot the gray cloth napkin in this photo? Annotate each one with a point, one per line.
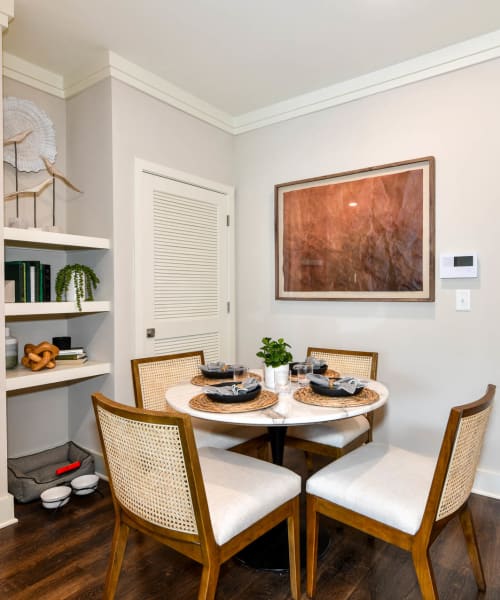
(348, 384)
(315, 362)
(249, 384)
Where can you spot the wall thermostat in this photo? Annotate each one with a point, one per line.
(458, 265)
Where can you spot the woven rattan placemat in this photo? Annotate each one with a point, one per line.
(202, 380)
(264, 400)
(307, 396)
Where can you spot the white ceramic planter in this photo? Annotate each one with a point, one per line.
(70, 294)
(270, 375)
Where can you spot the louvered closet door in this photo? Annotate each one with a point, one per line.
(184, 269)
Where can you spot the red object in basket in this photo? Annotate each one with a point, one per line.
(70, 467)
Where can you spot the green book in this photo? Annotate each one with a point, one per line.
(16, 270)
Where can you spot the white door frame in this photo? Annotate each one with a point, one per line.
(143, 166)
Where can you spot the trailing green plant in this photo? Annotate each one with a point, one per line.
(274, 352)
(85, 282)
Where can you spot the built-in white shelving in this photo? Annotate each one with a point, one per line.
(21, 378)
(36, 238)
(28, 309)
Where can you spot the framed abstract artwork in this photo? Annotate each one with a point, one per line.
(364, 235)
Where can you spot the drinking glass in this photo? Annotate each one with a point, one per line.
(239, 372)
(302, 369)
(282, 380)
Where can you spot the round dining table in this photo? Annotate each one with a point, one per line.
(277, 418)
(270, 552)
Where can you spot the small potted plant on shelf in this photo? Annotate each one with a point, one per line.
(276, 357)
(75, 283)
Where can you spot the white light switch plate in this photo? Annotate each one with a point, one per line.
(462, 300)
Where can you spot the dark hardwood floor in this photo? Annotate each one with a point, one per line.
(62, 555)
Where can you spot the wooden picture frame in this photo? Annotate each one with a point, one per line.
(362, 235)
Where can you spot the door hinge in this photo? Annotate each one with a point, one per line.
(228, 306)
(228, 220)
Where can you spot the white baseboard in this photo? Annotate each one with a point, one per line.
(7, 511)
(487, 483)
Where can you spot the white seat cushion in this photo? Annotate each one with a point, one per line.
(240, 490)
(334, 433)
(222, 435)
(382, 482)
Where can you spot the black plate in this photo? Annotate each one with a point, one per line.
(325, 391)
(317, 370)
(234, 399)
(227, 374)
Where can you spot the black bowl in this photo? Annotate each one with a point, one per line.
(317, 370)
(333, 392)
(210, 374)
(241, 397)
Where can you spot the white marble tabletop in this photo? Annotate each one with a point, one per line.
(286, 412)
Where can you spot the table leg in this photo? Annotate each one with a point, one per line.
(277, 437)
(270, 551)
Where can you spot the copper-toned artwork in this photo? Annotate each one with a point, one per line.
(362, 235)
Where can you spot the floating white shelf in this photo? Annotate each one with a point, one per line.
(36, 238)
(26, 309)
(22, 378)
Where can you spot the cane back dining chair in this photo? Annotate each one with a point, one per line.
(153, 375)
(336, 438)
(208, 504)
(404, 498)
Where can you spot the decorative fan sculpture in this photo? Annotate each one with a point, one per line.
(31, 149)
(20, 115)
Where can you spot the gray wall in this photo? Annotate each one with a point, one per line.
(430, 356)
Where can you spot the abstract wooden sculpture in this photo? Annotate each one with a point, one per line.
(38, 357)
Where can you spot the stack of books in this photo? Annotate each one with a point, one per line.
(71, 357)
(32, 280)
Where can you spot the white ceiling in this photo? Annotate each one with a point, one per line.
(243, 55)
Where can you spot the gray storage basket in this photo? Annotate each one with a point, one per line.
(29, 476)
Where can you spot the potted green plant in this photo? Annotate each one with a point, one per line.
(76, 283)
(276, 357)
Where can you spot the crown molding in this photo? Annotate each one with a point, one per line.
(33, 75)
(451, 58)
(167, 92)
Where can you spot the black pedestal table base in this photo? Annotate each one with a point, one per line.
(270, 551)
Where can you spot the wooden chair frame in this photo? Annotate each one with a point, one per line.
(310, 447)
(432, 523)
(201, 546)
(195, 358)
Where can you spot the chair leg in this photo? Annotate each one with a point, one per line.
(369, 416)
(309, 461)
(120, 536)
(263, 451)
(294, 549)
(311, 546)
(209, 579)
(425, 575)
(472, 547)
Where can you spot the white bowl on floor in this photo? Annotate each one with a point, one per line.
(85, 484)
(55, 497)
